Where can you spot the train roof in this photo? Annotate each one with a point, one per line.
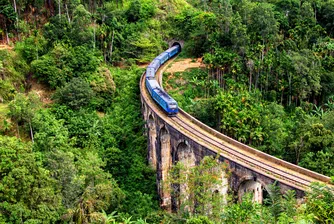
(154, 64)
(150, 72)
(172, 49)
(165, 96)
(163, 54)
(153, 83)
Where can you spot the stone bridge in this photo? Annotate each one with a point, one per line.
(183, 138)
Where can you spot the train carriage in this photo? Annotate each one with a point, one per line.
(150, 73)
(151, 84)
(167, 103)
(163, 57)
(173, 51)
(155, 64)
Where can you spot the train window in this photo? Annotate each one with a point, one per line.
(172, 105)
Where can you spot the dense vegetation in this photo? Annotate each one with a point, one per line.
(78, 155)
(269, 78)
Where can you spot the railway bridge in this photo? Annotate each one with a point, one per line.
(183, 138)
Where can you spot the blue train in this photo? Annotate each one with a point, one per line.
(167, 103)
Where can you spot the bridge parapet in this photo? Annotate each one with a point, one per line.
(167, 146)
(251, 170)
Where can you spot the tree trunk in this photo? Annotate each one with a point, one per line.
(7, 37)
(68, 16)
(104, 52)
(289, 103)
(250, 81)
(18, 130)
(59, 12)
(256, 79)
(94, 37)
(282, 97)
(315, 13)
(112, 43)
(31, 132)
(15, 8)
(17, 20)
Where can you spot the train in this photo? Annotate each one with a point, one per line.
(166, 102)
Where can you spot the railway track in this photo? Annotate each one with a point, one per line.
(246, 156)
(247, 159)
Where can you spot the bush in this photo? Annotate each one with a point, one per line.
(75, 94)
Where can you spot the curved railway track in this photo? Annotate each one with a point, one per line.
(231, 149)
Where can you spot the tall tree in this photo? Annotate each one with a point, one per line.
(22, 109)
(27, 193)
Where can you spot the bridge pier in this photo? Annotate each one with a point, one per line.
(165, 163)
(185, 155)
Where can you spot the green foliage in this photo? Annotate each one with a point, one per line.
(27, 192)
(8, 15)
(32, 47)
(320, 161)
(275, 201)
(12, 72)
(277, 51)
(138, 204)
(262, 24)
(22, 110)
(98, 190)
(312, 137)
(50, 132)
(240, 115)
(75, 31)
(140, 10)
(278, 208)
(245, 212)
(193, 188)
(199, 220)
(75, 94)
(117, 137)
(276, 124)
(320, 202)
(104, 87)
(306, 73)
(6, 125)
(63, 63)
(124, 124)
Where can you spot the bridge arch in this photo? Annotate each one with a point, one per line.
(150, 121)
(185, 154)
(253, 185)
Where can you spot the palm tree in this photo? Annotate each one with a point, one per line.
(318, 111)
(127, 221)
(105, 218)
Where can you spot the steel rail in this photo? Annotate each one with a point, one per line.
(272, 167)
